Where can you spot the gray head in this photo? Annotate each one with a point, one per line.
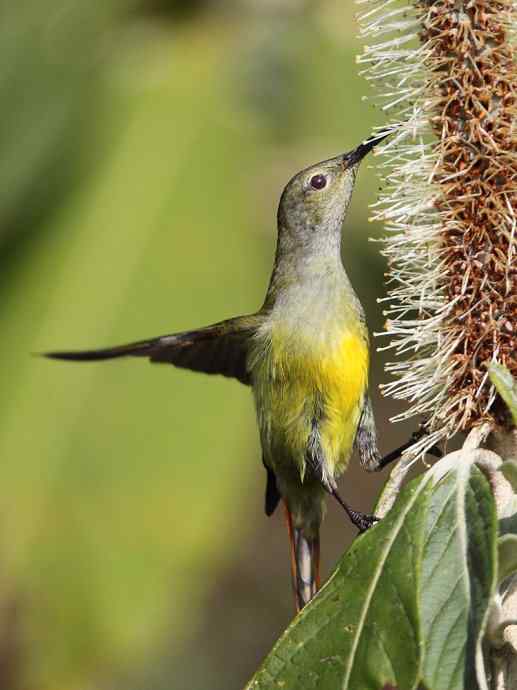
(314, 202)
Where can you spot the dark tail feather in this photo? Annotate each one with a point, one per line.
(305, 563)
(273, 496)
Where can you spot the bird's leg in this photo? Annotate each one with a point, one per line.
(316, 461)
(395, 454)
(360, 520)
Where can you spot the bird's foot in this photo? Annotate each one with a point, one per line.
(362, 521)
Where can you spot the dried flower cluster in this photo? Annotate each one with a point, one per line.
(448, 73)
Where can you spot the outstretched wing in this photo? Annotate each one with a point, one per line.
(218, 349)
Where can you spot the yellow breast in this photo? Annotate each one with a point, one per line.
(304, 378)
(343, 380)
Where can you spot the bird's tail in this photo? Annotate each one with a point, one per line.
(305, 562)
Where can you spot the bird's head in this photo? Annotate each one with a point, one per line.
(314, 202)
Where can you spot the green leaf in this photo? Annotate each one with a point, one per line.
(507, 555)
(508, 525)
(408, 603)
(506, 386)
(457, 576)
(345, 637)
(509, 470)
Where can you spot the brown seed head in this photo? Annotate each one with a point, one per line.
(452, 252)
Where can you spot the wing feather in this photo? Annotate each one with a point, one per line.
(221, 348)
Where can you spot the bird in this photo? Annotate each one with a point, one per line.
(305, 355)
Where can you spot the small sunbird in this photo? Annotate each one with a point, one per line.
(305, 354)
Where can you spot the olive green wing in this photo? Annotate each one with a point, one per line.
(218, 349)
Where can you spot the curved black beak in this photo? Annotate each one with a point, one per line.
(356, 155)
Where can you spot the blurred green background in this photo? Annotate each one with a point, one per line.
(143, 148)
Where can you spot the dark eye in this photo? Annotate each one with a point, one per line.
(318, 181)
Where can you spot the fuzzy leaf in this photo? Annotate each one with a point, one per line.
(344, 637)
(427, 571)
(506, 386)
(507, 554)
(509, 470)
(508, 525)
(458, 577)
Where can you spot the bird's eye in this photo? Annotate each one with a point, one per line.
(318, 181)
